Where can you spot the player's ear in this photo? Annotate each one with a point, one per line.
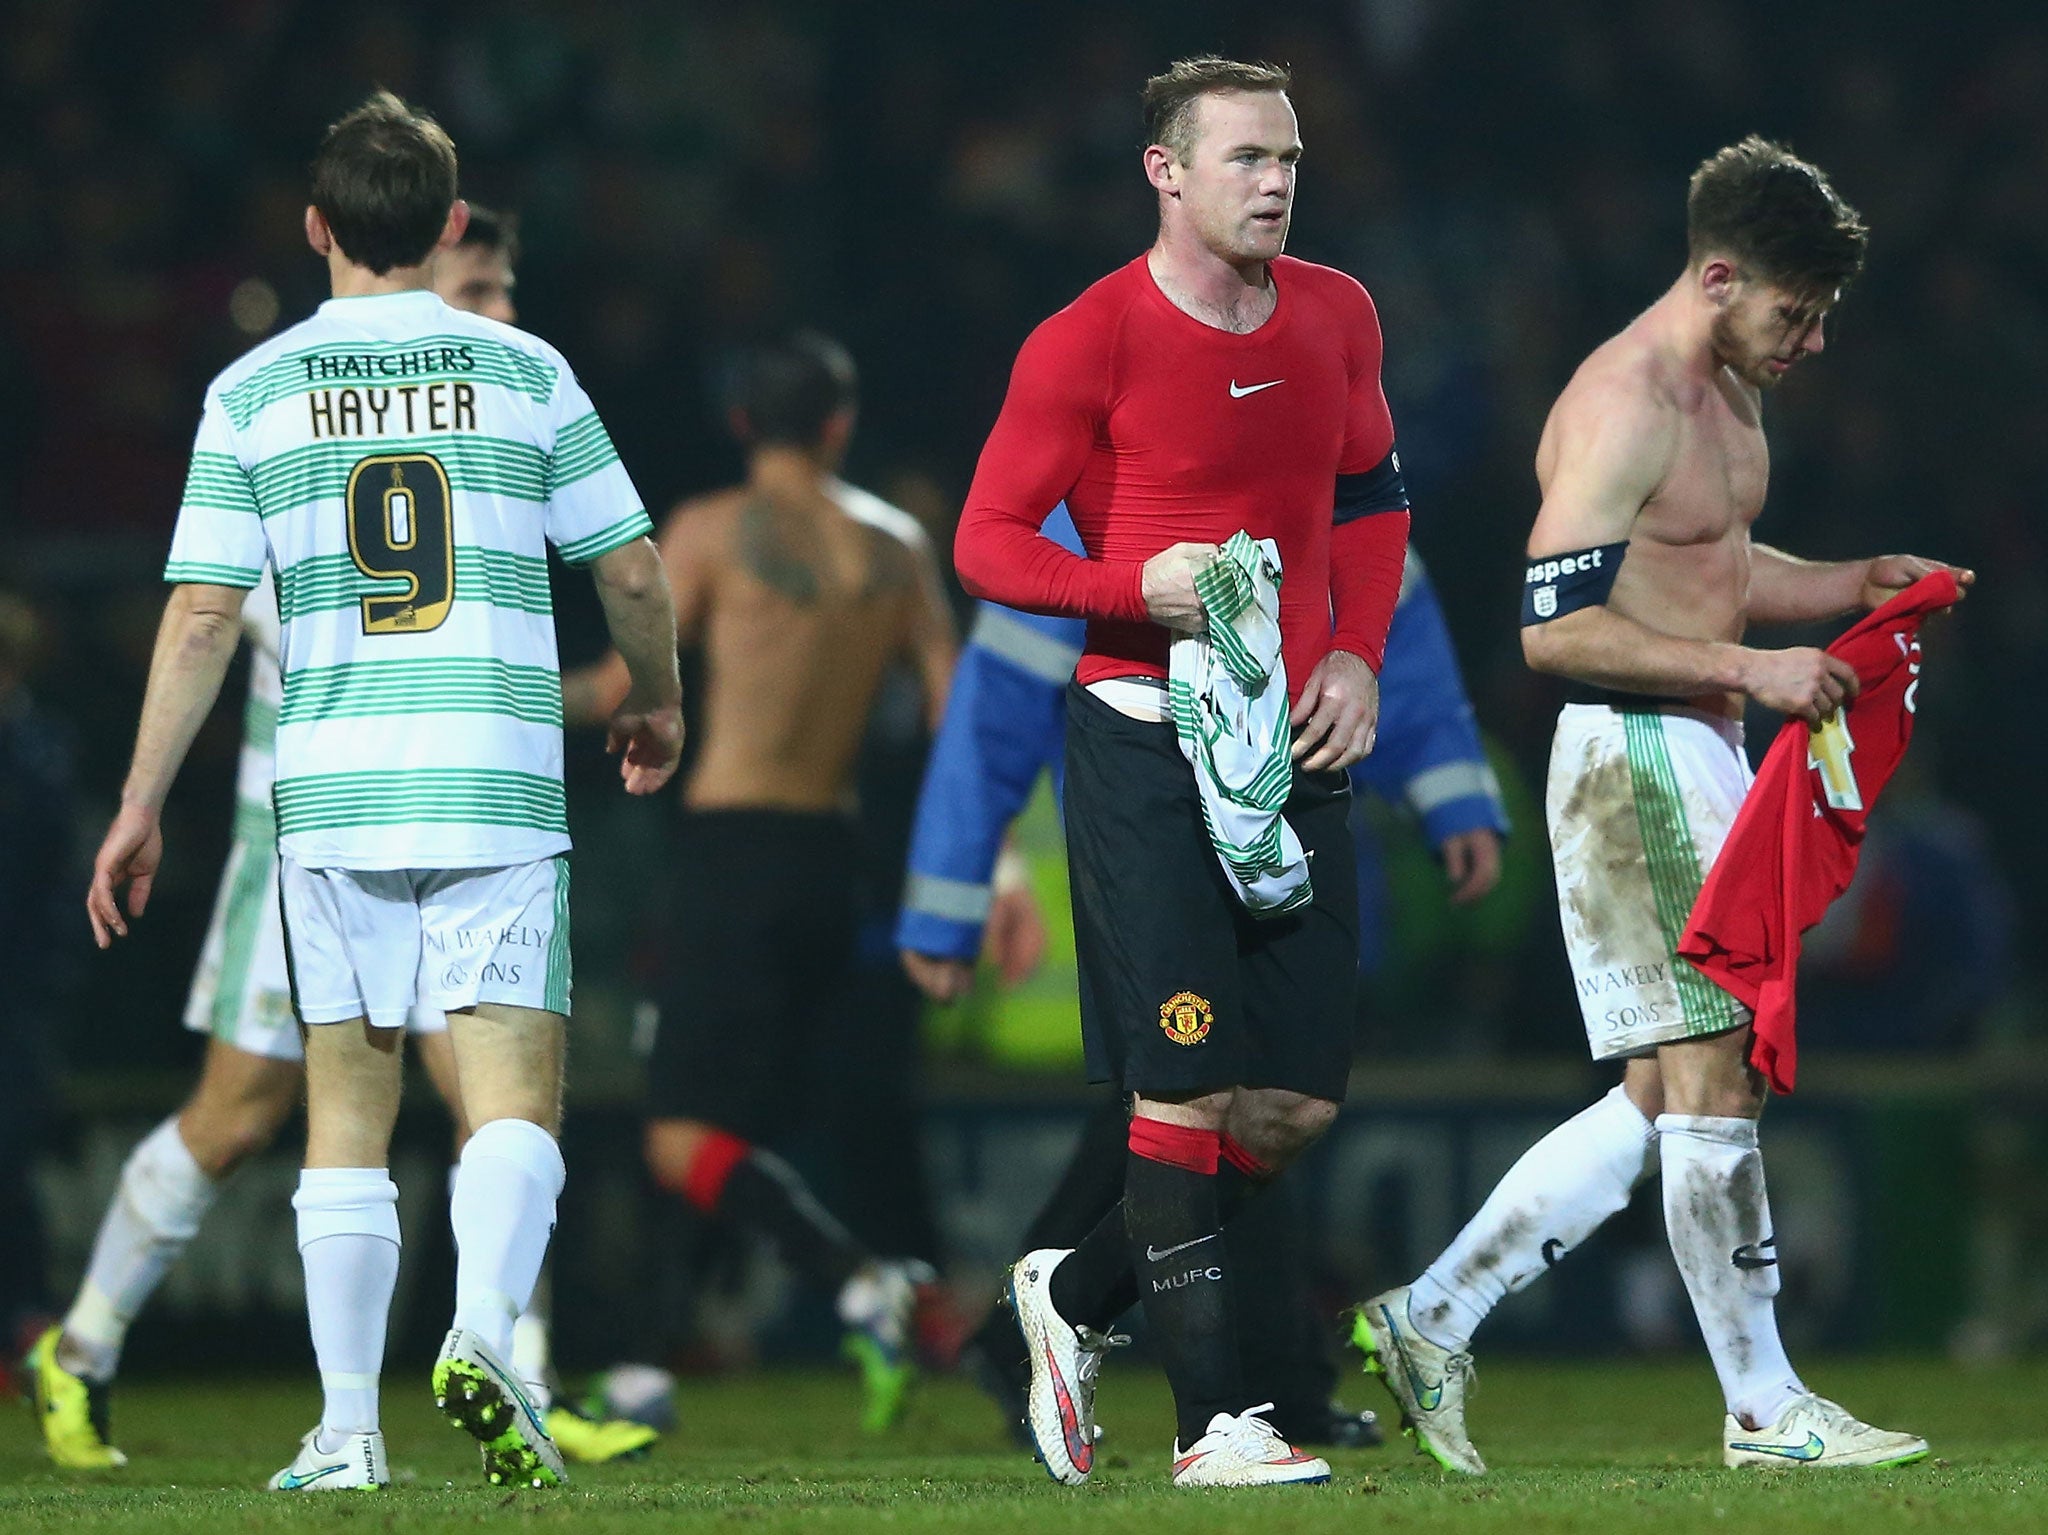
(1719, 279)
(1162, 170)
(838, 435)
(451, 232)
(318, 235)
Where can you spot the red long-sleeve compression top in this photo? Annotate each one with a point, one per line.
(1157, 429)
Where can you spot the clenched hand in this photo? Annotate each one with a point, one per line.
(1807, 683)
(1338, 713)
(649, 744)
(1169, 586)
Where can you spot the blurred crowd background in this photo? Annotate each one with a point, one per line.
(928, 180)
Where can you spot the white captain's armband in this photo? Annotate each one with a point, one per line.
(1558, 584)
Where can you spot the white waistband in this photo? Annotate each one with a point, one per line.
(1727, 729)
(1142, 698)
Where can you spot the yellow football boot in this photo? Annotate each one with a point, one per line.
(72, 1410)
(593, 1441)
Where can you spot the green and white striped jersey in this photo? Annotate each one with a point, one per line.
(402, 466)
(254, 821)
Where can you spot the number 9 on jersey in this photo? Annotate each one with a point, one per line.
(401, 528)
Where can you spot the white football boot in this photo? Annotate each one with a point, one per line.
(1816, 1432)
(1065, 1361)
(357, 1462)
(1429, 1383)
(879, 1307)
(483, 1396)
(1244, 1450)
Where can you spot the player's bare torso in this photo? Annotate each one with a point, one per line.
(1687, 569)
(798, 606)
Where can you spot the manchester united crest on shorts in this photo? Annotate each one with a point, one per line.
(1185, 1018)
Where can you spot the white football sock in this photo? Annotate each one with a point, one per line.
(503, 1211)
(531, 1354)
(1719, 1220)
(154, 1213)
(1555, 1196)
(532, 1358)
(348, 1243)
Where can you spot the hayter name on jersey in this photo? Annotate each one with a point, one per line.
(407, 408)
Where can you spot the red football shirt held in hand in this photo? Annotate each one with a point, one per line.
(1794, 845)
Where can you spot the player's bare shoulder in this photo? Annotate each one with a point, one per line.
(704, 520)
(888, 520)
(696, 538)
(902, 550)
(1612, 436)
(1622, 412)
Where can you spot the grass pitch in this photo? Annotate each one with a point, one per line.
(1608, 1447)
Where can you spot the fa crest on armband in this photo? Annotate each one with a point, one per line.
(1185, 1018)
(1546, 602)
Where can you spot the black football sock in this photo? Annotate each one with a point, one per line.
(767, 1192)
(1177, 1251)
(1090, 1188)
(1240, 1177)
(741, 1182)
(1282, 1341)
(1092, 1184)
(1096, 1283)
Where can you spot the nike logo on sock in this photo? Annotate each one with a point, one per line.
(1753, 1255)
(1154, 1254)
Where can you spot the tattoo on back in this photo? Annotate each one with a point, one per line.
(765, 551)
(786, 555)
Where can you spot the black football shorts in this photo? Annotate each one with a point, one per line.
(1183, 991)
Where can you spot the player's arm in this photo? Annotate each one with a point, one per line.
(596, 518)
(218, 552)
(647, 724)
(1784, 589)
(1003, 727)
(931, 643)
(1337, 709)
(592, 693)
(1614, 447)
(1033, 457)
(196, 640)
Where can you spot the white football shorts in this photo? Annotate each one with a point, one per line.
(241, 993)
(1639, 802)
(374, 942)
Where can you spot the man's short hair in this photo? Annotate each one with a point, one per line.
(1170, 97)
(789, 389)
(1775, 215)
(490, 230)
(384, 180)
